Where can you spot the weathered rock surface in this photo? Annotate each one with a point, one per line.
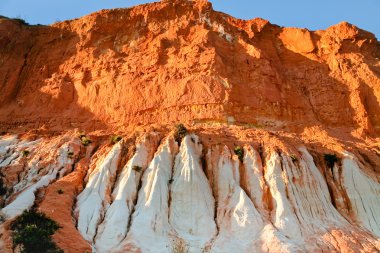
(180, 61)
(263, 104)
(196, 195)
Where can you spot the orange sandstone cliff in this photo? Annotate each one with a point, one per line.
(263, 105)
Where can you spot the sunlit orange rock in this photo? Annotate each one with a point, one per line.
(263, 105)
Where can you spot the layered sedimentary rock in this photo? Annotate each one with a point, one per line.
(196, 196)
(281, 151)
(180, 61)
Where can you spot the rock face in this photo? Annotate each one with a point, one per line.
(282, 150)
(142, 196)
(180, 61)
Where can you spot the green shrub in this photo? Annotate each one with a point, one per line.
(239, 151)
(179, 133)
(84, 139)
(3, 189)
(137, 168)
(70, 154)
(22, 21)
(330, 160)
(32, 233)
(115, 139)
(60, 191)
(25, 153)
(293, 157)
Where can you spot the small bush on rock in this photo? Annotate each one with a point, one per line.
(32, 233)
(137, 168)
(25, 153)
(22, 21)
(84, 139)
(293, 157)
(239, 151)
(70, 154)
(115, 139)
(180, 133)
(3, 189)
(330, 160)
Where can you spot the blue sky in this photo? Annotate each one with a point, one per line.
(297, 13)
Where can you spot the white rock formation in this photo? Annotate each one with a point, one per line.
(270, 239)
(61, 166)
(96, 196)
(363, 192)
(284, 219)
(114, 227)
(310, 193)
(238, 220)
(150, 224)
(11, 150)
(6, 144)
(253, 175)
(192, 205)
(161, 201)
